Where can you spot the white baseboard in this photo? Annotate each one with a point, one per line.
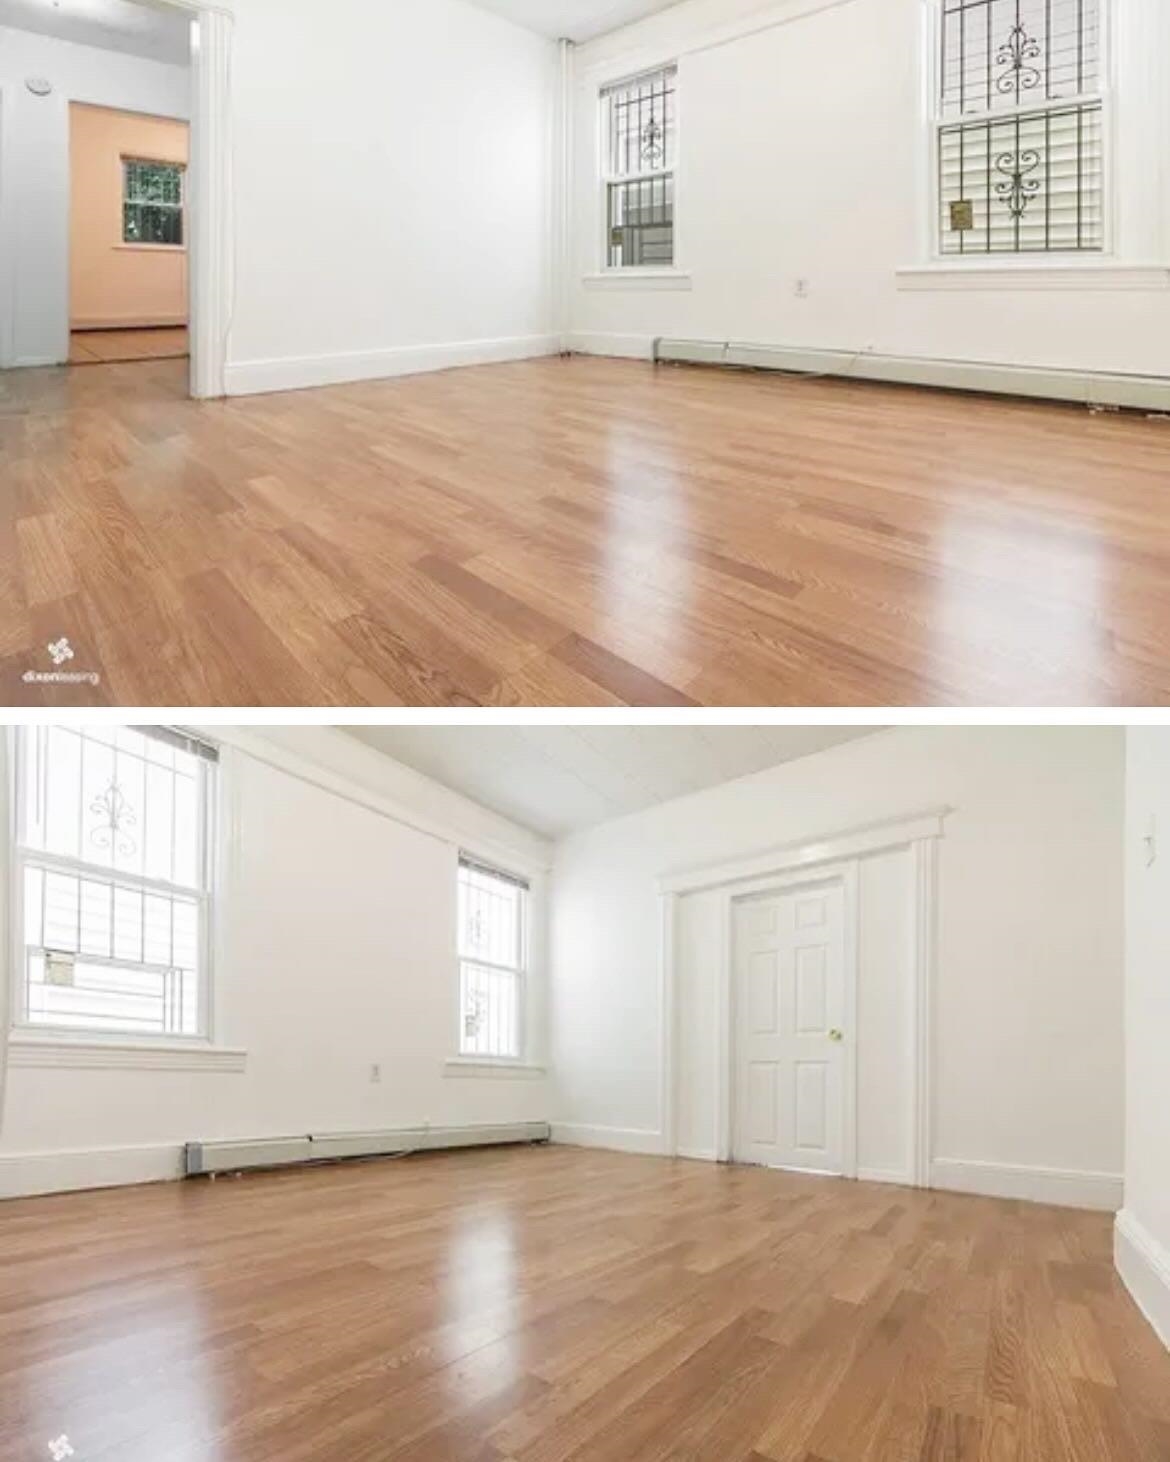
(623, 347)
(1144, 1266)
(884, 1175)
(1143, 393)
(1066, 1188)
(25, 1173)
(697, 1154)
(296, 373)
(614, 1139)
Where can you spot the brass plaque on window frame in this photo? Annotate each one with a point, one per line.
(962, 216)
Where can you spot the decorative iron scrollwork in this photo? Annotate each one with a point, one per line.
(1018, 189)
(1016, 54)
(117, 815)
(653, 143)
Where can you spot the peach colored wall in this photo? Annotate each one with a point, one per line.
(112, 283)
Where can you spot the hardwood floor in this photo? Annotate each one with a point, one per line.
(582, 532)
(557, 1305)
(102, 347)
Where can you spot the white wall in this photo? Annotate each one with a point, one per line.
(393, 189)
(1143, 1228)
(337, 926)
(1028, 1003)
(34, 174)
(805, 155)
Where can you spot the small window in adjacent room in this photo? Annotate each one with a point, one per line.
(152, 202)
(641, 133)
(1021, 154)
(493, 956)
(112, 866)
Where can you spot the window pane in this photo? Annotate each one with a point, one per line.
(1026, 184)
(641, 224)
(1002, 54)
(490, 1005)
(642, 125)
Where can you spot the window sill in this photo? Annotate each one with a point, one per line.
(480, 1066)
(639, 279)
(152, 248)
(1042, 275)
(97, 1054)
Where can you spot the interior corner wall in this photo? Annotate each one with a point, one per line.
(335, 952)
(805, 155)
(393, 186)
(35, 176)
(1027, 1039)
(1143, 1227)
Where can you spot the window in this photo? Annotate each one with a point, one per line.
(641, 132)
(112, 858)
(1020, 132)
(493, 956)
(152, 202)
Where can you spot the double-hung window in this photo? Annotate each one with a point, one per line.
(493, 961)
(640, 141)
(1021, 156)
(112, 855)
(152, 202)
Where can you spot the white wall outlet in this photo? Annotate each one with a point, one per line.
(376, 1072)
(1150, 842)
(802, 289)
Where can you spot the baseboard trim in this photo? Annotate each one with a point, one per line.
(613, 1139)
(298, 373)
(1063, 1187)
(1135, 392)
(697, 1154)
(888, 1176)
(1144, 1266)
(131, 322)
(23, 1174)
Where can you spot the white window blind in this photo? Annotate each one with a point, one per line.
(112, 862)
(1021, 127)
(640, 122)
(493, 955)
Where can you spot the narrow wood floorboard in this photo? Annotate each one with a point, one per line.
(557, 1305)
(580, 532)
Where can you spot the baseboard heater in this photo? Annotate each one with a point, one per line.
(206, 1158)
(1137, 393)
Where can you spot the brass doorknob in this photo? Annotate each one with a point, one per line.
(836, 1035)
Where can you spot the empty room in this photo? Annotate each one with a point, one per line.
(585, 353)
(543, 1094)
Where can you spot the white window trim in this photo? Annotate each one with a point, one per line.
(42, 1045)
(936, 270)
(461, 1063)
(631, 276)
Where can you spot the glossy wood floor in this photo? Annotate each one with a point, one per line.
(554, 1305)
(578, 532)
(101, 347)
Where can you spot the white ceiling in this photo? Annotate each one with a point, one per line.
(158, 34)
(559, 779)
(576, 20)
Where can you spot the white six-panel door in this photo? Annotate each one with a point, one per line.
(790, 1003)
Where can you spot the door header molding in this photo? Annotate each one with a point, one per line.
(837, 847)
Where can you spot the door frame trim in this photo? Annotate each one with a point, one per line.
(845, 877)
(919, 833)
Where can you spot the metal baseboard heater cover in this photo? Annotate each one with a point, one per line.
(205, 1158)
(1138, 393)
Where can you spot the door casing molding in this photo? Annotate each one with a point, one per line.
(836, 855)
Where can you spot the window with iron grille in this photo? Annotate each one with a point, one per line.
(1021, 127)
(112, 831)
(493, 957)
(640, 125)
(152, 202)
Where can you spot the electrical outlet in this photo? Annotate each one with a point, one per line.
(802, 289)
(376, 1072)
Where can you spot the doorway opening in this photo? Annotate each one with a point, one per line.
(128, 236)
